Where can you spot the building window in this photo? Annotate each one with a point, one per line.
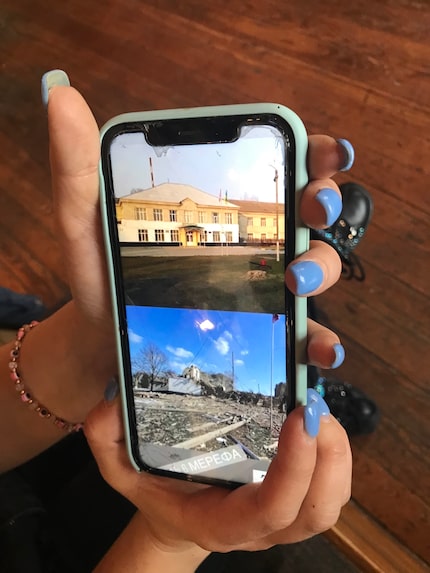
(250, 236)
(174, 236)
(188, 216)
(216, 237)
(274, 223)
(249, 221)
(204, 236)
(229, 218)
(263, 236)
(263, 221)
(202, 217)
(159, 235)
(173, 215)
(229, 237)
(158, 214)
(142, 235)
(215, 218)
(140, 213)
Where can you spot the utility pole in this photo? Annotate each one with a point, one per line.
(272, 350)
(277, 216)
(152, 172)
(277, 211)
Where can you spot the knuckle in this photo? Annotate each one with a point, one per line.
(338, 451)
(321, 521)
(275, 520)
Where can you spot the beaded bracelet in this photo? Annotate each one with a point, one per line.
(25, 396)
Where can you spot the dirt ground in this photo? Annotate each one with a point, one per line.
(171, 419)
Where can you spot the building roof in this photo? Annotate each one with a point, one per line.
(176, 193)
(257, 206)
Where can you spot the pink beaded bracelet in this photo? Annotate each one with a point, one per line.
(25, 396)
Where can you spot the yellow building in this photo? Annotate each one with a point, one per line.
(261, 222)
(177, 214)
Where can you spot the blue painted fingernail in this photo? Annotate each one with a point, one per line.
(51, 79)
(314, 409)
(308, 276)
(332, 203)
(339, 353)
(349, 154)
(112, 390)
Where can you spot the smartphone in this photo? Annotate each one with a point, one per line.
(200, 215)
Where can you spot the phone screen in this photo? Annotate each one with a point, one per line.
(202, 232)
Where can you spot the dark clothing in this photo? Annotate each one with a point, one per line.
(57, 513)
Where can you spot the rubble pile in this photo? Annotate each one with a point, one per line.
(171, 419)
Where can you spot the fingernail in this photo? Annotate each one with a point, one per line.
(51, 79)
(349, 154)
(314, 409)
(112, 390)
(332, 203)
(339, 353)
(308, 276)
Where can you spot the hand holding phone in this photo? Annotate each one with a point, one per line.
(200, 211)
(279, 510)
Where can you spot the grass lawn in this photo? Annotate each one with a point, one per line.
(204, 282)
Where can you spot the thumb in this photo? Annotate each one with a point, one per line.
(74, 155)
(104, 431)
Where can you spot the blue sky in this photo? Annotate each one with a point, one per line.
(245, 168)
(211, 340)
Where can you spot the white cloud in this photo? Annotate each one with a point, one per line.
(228, 335)
(222, 345)
(239, 362)
(179, 352)
(178, 367)
(244, 352)
(206, 325)
(133, 337)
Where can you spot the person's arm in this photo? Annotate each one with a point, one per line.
(135, 551)
(65, 365)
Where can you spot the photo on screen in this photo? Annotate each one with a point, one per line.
(202, 236)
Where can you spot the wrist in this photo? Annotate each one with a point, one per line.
(138, 550)
(183, 556)
(63, 368)
(66, 363)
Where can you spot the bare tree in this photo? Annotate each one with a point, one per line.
(153, 362)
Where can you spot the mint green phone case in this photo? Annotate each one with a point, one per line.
(301, 232)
